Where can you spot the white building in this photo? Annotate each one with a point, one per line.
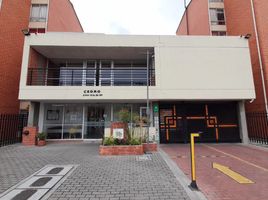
(78, 82)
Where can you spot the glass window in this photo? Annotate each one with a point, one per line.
(71, 73)
(217, 16)
(53, 121)
(0, 3)
(219, 33)
(73, 122)
(38, 13)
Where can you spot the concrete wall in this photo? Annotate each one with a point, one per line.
(198, 19)
(62, 17)
(199, 68)
(14, 16)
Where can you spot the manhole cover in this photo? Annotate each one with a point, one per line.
(55, 170)
(24, 195)
(41, 182)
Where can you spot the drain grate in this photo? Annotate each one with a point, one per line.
(38, 184)
(55, 170)
(24, 195)
(41, 182)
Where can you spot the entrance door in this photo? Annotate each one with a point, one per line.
(94, 125)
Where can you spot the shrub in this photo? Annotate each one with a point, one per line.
(42, 136)
(108, 141)
(135, 141)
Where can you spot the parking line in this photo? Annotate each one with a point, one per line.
(237, 158)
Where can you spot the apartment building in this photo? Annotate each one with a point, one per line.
(31, 16)
(247, 18)
(84, 80)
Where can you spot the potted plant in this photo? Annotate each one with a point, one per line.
(41, 139)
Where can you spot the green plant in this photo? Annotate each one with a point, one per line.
(108, 141)
(135, 141)
(124, 115)
(42, 136)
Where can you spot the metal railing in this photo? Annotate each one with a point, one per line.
(90, 76)
(257, 123)
(11, 127)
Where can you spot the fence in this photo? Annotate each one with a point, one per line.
(258, 127)
(11, 127)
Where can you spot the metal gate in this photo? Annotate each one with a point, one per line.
(217, 121)
(11, 127)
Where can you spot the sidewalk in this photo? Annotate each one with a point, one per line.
(249, 161)
(96, 177)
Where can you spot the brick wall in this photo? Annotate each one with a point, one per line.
(62, 17)
(14, 16)
(198, 19)
(239, 22)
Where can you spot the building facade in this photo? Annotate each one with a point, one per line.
(182, 84)
(36, 16)
(234, 18)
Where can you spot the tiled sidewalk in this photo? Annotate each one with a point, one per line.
(96, 177)
(249, 161)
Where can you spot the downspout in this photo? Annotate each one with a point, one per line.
(259, 54)
(186, 14)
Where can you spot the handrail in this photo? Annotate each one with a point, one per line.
(74, 76)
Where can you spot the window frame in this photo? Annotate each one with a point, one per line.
(39, 18)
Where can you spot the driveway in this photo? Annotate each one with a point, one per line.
(239, 161)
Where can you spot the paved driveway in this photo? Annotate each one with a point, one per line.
(249, 161)
(96, 177)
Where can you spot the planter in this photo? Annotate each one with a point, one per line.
(41, 143)
(149, 147)
(121, 150)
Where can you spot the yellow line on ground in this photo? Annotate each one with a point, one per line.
(232, 174)
(237, 158)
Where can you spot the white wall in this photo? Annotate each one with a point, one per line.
(187, 68)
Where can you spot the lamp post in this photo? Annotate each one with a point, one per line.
(147, 93)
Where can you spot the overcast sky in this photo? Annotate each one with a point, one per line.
(156, 17)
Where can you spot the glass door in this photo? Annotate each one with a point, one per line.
(94, 122)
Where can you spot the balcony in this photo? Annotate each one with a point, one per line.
(81, 76)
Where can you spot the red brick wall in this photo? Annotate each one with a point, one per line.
(62, 17)
(36, 59)
(261, 8)
(14, 16)
(198, 19)
(239, 22)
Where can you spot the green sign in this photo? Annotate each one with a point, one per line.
(156, 109)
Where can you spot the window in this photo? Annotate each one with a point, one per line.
(218, 33)
(217, 16)
(0, 3)
(38, 13)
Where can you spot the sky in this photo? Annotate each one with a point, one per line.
(139, 17)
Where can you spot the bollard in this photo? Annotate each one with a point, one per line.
(193, 184)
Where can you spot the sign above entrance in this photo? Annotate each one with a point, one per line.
(92, 93)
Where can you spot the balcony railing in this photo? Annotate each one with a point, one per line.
(66, 76)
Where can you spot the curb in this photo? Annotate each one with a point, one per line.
(181, 177)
